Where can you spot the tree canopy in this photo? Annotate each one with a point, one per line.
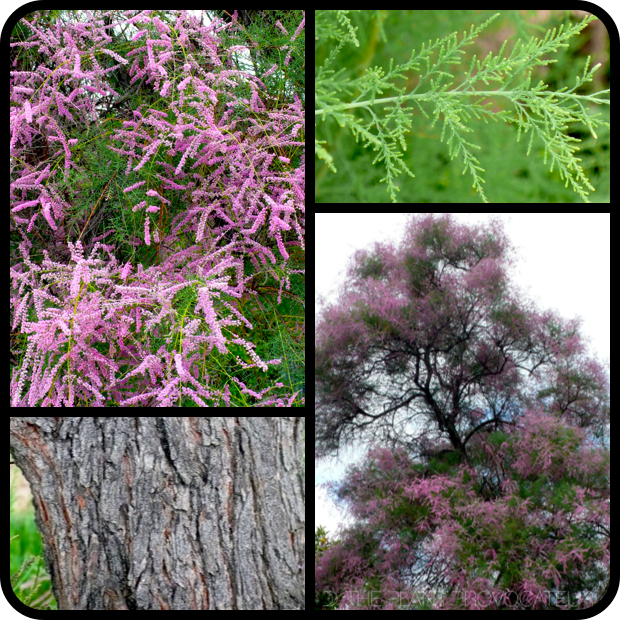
(487, 425)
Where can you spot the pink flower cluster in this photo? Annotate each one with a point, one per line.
(547, 530)
(100, 332)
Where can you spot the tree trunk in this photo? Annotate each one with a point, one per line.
(168, 513)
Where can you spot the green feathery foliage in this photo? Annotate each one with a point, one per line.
(382, 123)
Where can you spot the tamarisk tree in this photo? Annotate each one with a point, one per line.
(486, 485)
(153, 195)
(433, 89)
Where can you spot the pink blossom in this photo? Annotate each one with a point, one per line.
(90, 328)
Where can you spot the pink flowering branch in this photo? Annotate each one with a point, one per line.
(84, 319)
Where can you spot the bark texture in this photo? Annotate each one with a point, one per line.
(168, 513)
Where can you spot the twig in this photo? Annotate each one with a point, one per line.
(105, 189)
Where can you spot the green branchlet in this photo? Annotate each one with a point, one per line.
(536, 110)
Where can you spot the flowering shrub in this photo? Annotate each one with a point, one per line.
(206, 174)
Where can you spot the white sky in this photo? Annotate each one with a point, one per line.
(563, 263)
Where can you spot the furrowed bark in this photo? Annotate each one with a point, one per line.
(168, 513)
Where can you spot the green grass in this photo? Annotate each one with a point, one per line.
(29, 579)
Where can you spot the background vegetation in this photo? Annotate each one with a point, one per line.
(29, 579)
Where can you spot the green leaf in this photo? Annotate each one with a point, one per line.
(431, 82)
